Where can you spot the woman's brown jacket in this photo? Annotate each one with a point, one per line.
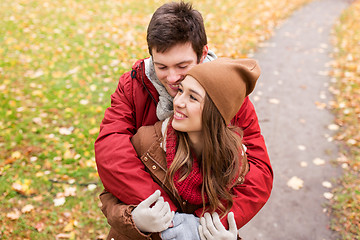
(147, 143)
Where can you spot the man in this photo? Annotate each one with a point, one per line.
(176, 41)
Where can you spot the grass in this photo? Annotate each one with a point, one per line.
(60, 62)
(346, 203)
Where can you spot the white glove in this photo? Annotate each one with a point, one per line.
(153, 219)
(212, 228)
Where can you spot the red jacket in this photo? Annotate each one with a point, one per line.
(133, 105)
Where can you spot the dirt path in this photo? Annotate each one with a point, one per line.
(289, 101)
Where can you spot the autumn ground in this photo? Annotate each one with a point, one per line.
(346, 89)
(60, 63)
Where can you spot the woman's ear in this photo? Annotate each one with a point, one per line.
(204, 53)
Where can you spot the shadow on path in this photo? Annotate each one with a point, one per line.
(289, 100)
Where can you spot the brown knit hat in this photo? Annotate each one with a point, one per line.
(227, 82)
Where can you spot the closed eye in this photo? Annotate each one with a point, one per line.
(193, 98)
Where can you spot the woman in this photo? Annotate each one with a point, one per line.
(196, 156)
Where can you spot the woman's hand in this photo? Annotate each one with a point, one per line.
(153, 219)
(212, 228)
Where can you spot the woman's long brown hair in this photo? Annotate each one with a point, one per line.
(222, 161)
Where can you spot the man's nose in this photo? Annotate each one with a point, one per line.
(173, 77)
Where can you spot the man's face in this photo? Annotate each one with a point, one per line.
(172, 65)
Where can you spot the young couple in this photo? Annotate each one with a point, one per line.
(189, 175)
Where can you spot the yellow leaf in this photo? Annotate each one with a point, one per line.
(16, 155)
(69, 227)
(37, 93)
(94, 131)
(98, 109)
(23, 187)
(68, 154)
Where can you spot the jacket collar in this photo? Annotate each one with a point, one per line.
(138, 73)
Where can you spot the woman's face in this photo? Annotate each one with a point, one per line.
(188, 106)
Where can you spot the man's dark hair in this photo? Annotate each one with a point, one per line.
(174, 23)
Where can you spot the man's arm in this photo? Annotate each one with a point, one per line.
(120, 170)
(255, 191)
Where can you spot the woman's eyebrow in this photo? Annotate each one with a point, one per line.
(194, 91)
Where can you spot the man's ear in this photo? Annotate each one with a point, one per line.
(204, 53)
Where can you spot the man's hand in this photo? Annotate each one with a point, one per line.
(185, 228)
(153, 219)
(212, 228)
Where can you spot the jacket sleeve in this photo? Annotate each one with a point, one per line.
(119, 216)
(251, 196)
(120, 170)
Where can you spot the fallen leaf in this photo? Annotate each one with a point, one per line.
(16, 155)
(14, 215)
(9, 160)
(67, 214)
(274, 101)
(303, 164)
(37, 120)
(327, 184)
(101, 237)
(301, 147)
(91, 187)
(333, 127)
(94, 131)
(69, 227)
(328, 195)
(320, 105)
(318, 161)
(295, 183)
(84, 102)
(40, 226)
(59, 201)
(38, 198)
(64, 236)
(66, 131)
(69, 154)
(70, 191)
(351, 141)
(27, 208)
(345, 166)
(23, 187)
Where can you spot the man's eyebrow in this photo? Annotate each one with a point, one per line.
(157, 63)
(186, 61)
